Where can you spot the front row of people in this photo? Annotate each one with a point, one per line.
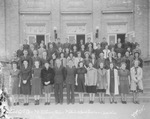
(90, 80)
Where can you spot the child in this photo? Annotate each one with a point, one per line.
(15, 81)
(124, 79)
(47, 75)
(91, 82)
(36, 82)
(101, 82)
(70, 81)
(136, 81)
(113, 83)
(80, 81)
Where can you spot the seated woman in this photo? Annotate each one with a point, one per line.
(119, 60)
(113, 83)
(136, 81)
(78, 59)
(109, 60)
(137, 57)
(87, 59)
(90, 81)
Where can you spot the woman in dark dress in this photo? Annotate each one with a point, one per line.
(109, 60)
(124, 79)
(36, 82)
(59, 78)
(80, 81)
(15, 79)
(47, 76)
(26, 75)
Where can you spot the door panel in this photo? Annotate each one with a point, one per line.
(112, 38)
(122, 37)
(80, 37)
(72, 39)
(40, 38)
(31, 39)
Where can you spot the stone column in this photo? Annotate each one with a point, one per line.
(2, 30)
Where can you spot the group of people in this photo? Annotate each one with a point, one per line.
(84, 68)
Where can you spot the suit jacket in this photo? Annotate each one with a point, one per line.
(70, 75)
(59, 74)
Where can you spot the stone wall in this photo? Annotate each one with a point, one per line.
(59, 13)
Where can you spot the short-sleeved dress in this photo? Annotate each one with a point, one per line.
(124, 81)
(36, 82)
(81, 79)
(15, 81)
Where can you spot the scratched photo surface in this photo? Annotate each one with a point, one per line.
(44, 43)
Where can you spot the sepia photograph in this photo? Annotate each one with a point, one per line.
(74, 59)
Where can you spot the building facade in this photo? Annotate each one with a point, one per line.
(37, 20)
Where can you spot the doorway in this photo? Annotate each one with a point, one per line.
(40, 38)
(122, 37)
(79, 38)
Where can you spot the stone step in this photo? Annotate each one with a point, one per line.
(144, 99)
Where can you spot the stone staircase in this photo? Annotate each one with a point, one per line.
(144, 97)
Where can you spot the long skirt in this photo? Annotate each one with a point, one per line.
(36, 86)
